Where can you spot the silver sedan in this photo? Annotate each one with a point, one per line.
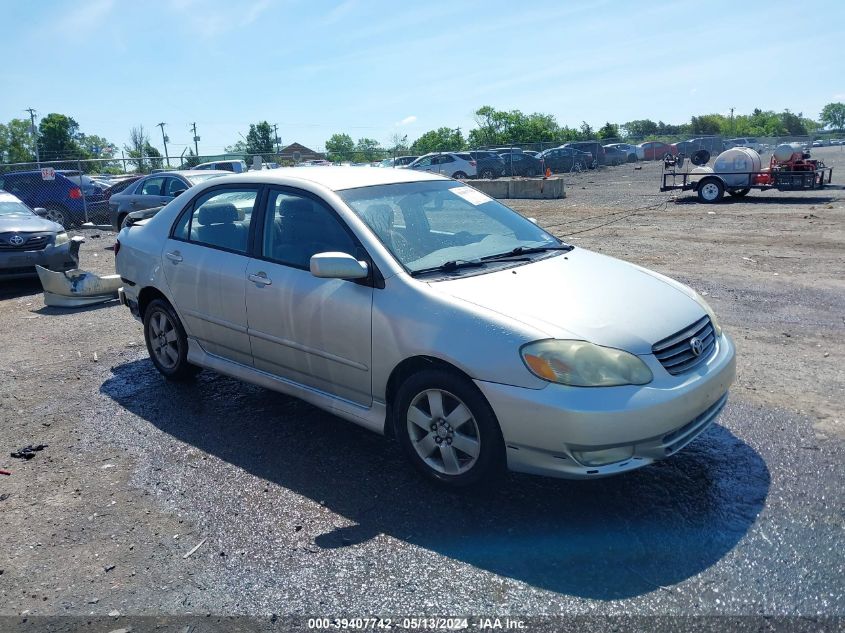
(418, 307)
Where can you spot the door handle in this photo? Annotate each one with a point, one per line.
(260, 278)
(174, 256)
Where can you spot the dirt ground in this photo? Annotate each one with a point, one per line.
(297, 512)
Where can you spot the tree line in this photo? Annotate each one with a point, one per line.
(60, 138)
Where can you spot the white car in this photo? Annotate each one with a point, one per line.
(751, 143)
(421, 308)
(447, 163)
(235, 166)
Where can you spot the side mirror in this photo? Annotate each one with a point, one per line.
(40, 212)
(337, 266)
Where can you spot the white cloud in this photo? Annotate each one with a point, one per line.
(212, 19)
(407, 120)
(839, 97)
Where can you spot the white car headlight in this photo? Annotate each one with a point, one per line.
(61, 238)
(583, 364)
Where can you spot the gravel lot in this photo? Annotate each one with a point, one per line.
(299, 512)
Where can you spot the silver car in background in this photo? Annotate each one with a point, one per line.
(27, 240)
(418, 307)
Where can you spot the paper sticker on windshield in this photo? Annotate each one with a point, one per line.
(473, 196)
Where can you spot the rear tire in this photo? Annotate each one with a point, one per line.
(487, 174)
(632, 158)
(167, 342)
(448, 430)
(710, 190)
(121, 221)
(459, 175)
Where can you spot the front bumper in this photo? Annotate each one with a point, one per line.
(21, 264)
(562, 431)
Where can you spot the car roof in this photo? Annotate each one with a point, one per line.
(334, 178)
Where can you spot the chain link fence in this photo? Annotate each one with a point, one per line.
(78, 191)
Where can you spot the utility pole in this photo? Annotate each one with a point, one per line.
(34, 135)
(732, 121)
(164, 138)
(276, 137)
(196, 138)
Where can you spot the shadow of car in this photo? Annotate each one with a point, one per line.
(606, 539)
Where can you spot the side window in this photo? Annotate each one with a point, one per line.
(425, 162)
(220, 218)
(151, 187)
(226, 166)
(174, 185)
(446, 159)
(297, 227)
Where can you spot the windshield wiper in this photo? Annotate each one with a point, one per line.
(447, 267)
(527, 250)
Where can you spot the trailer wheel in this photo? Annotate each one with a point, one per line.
(711, 190)
(739, 193)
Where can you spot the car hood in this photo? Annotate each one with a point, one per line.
(27, 224)
(586, 296)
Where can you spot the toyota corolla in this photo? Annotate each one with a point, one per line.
(419, 307)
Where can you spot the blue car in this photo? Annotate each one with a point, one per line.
(66, 196)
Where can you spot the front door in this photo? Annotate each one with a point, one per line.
(205, 261)
(313, 331)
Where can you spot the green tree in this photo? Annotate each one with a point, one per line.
(190, 160)
(259, 140)
(587, 132)
(709, 124)
(340, 147)
(238, 147)
(16, 142)
(367, 150)
(444, 139)
(499, 127)
(398, 144)
(795, 124)
(640, 129)
(833, 116)
(57, 136)
(609, 130)
(144, 155)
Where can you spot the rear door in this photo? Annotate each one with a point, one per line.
(148, 194)
(313, 331)
(205, 261)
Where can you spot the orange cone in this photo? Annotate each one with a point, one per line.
(548, 172)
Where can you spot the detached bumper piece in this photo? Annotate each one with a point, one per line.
(77, 288)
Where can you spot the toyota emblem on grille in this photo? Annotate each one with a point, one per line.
(16, 240)
(696, 345)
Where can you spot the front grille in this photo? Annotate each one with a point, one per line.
(675, 352)
(30, 242)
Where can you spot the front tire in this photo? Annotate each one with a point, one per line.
(459, 175)
(487, 174)
(56, 214)
(167, 342)
(448, 430)
(710, 190)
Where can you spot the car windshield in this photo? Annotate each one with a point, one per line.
(13, 207)
(198, 178)
(426, 224)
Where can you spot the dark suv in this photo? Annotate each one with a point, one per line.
(66, 196)
(489, 164)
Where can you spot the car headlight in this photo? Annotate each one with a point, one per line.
(583, 364)
(716, 327)
(61, 238)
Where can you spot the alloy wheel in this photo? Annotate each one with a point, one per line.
(164, 340)
(443, 432)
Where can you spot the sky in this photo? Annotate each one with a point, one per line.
(374, 69)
